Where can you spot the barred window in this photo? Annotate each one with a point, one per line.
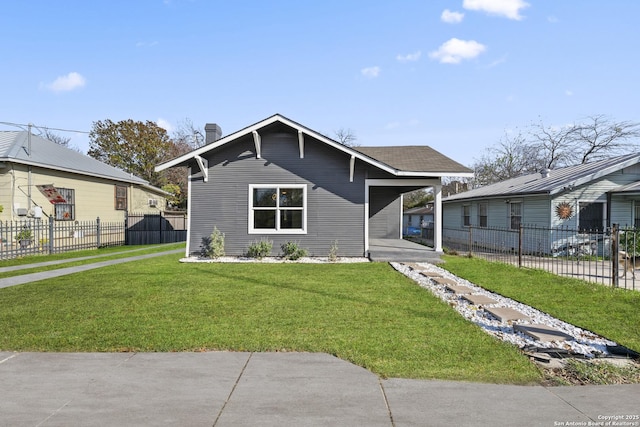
(66, 211)
(121, 198)
(515, 215)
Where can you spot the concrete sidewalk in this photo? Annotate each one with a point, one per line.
(274, 389)
(34, 277)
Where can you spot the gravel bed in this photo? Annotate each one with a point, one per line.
(585, 343)
(272, 260)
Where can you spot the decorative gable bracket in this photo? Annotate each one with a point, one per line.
(258, 143)
(203, 164)
(301, 143)
(352, 165)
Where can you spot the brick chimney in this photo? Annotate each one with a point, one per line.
(212, 133)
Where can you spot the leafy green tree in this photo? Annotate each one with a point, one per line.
(133, 146)
(416, 198)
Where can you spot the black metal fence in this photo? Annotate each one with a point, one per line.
(606, 256)
(46, 236)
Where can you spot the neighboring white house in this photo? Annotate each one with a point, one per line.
(587, 197)
(415, 219)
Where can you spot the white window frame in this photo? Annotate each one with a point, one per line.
(511, 215)
(485, 206)
(466, 216)
(278, 230)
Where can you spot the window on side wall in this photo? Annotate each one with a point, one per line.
(515, 215)
(590, 216)
(466, 215)
(482, 214)
(277, 209)
(120, 199)
(66, 211)
(636, 215)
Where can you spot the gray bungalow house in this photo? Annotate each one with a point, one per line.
(587, 197)
(280, 180)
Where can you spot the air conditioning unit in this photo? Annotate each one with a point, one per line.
(153, 203)
(22, 211)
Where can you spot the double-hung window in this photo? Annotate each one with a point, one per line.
(466, 215)
(483, 209)
(277, 209)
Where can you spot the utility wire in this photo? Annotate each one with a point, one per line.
(43, 127)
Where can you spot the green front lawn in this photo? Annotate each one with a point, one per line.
(365, 313)
(612, 313)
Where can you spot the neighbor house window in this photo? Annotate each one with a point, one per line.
(277, 209)
(466, 215)
(482, 214)
(66, 211)
(121, 197)
(636, 217)
(515, 215)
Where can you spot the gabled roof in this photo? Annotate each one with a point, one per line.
(399, 161)
(415, 158)
(17, 147)
(557, 181)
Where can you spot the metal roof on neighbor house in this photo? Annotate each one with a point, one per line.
(16, 148)
(557, 180)
(420, 210)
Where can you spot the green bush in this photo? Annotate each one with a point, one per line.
(260, 249)
(214, 246)
(292, 251)
(333, 251)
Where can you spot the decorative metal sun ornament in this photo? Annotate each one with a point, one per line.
(564, 210)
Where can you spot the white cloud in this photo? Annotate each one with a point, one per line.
(66, 83)
(371, 72)
(410, 57)
(451, 17)
(455, 50)
(506, 8)
(164, 124)
(568, 92)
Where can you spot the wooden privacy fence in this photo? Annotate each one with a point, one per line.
(47, 236)
(606, 256)
(145, 229)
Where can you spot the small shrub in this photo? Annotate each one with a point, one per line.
(214, 245)
(260, 249)
(333, 251)
(292, 251)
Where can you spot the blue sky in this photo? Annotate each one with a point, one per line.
(454, 75)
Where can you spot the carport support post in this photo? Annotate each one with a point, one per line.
(437, 218)
(615, 256)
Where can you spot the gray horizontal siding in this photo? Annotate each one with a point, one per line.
(384, 213)
(335, 206)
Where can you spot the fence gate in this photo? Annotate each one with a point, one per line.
(145, 229)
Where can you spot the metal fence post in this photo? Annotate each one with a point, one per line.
(520, 233)
(470, 240)
(126, 228)
(51, 235)
(615, 256)
(98, 232)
